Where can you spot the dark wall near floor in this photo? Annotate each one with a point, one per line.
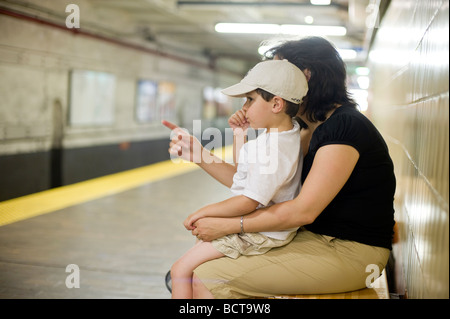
(23, 174)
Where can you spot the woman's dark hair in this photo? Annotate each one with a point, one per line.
(291, 108)
(327, 85)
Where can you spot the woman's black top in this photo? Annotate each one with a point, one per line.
(363, 210)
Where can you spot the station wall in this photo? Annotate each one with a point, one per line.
(410, 105)
(40, 147)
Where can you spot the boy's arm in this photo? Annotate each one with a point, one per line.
(189, 148)
(235, 206)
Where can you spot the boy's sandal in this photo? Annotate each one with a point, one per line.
(169, 281)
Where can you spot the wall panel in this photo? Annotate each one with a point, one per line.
(410, 105)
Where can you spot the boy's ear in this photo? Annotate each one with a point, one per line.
(277, 104)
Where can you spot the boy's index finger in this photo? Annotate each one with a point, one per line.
(169, 125)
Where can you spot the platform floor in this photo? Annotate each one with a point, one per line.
(123, 243)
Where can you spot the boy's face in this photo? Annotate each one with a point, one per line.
(257, 110)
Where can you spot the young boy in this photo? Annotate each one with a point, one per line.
(273, 91)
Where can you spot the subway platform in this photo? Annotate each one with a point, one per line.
(115, 236)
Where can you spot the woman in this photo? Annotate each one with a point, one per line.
(345, 207)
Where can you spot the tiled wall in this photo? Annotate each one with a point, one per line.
(409, 103)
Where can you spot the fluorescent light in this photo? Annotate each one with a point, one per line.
(362, 71)
(321, 2)
(360, 97)
(347, 54)
(290, 29)
(264, 48)
(363, 82)
(309, 19)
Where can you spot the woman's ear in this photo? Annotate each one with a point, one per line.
(307, 73)
(277, 104)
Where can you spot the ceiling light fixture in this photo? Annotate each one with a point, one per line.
(321, 2)
(348, 54)
(309, 19)
(291, 29)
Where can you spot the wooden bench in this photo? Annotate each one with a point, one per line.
(379, 291)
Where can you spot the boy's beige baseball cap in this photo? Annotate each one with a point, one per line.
(279, 77)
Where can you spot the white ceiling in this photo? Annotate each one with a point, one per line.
(187, 27)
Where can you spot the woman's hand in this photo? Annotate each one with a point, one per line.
(183, 144)
(192, 218)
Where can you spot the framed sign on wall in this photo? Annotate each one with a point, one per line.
(92, 97)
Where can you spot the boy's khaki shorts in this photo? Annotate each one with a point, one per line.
(310, 264)
(247, 244)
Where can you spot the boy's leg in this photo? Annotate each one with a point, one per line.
(183, 268)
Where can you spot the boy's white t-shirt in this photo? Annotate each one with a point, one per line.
(269, 170)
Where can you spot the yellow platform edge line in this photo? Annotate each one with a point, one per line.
(51, 200)
(32, 205)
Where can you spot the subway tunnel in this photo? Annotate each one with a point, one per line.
(86, 177)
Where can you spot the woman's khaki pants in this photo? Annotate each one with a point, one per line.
(310, 264)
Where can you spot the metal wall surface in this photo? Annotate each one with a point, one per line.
(410, 104)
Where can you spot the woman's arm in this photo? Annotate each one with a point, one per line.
(332, 166)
